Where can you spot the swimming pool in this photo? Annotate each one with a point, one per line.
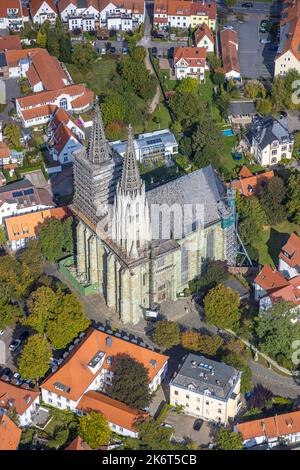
(227, 132)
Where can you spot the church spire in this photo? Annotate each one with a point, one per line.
(131, 180)
(98, 149)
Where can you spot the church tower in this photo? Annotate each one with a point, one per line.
(131, 219)
(96, 171)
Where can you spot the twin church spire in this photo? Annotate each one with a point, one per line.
(131, 180)
(98, 150)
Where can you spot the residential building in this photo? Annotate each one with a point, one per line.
(270, 141)
(204, 37)
(78, 444)
(24, 401)
(270, 286)
(10, 433)
(64, 137)
(39, 108)
(152, 146)
(21, 197)
(282, 429)
(2, 179)
(24, 227)
(249, 184)
(207, 389)
(10, 42)
(204, 12)
(11, 15)
(288, 54)
(87, 367)
(43, 10)
(190, 62)
(241, 113)
(289, 257)
(4, 154)
(179, 14)
(229, 51)
(121, 418)
(160, 14)
(130, 283)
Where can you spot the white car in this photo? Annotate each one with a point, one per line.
(227, 26)
(265, 41)
(14, 345)
(2, 332)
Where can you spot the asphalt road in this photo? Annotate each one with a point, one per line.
(258, 7)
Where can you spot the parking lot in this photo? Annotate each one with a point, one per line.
(256, 59)
(183, 429)
(8, 358)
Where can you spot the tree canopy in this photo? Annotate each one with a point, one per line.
(166, 334)
(130, 382)
(221, 306)
(272, 200)
(228, 440)
(94, 430)
(56, 238)
(34, 360)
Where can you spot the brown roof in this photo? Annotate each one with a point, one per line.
(160, 6)
(251, 185)
(76, 374)
(275, 426)
(5, 4)
(61, 137)
(245, 172)
(290, 252)
(270, 279)
(203, 31)
(194, 56)
(46, 69)
(13, 396)
(10, 42)
(10, 434)
(36, 4)
(114, 411)
(4, 150)
(37, 99)
(201, 9)
(40, 111)
(179, 7)
(229, 42)
(78, 444)
(13, 57)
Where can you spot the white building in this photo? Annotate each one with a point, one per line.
(204, 37)
(24, 401)
(270, 141)
(206, 389)
(288, 53)
(87, 367)
(289, 257)
(12, 14)
(43, 10)
(190, 62)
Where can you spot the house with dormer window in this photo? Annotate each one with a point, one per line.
(190, 62)
(21, 399)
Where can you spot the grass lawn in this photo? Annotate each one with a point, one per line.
(274, 237)
(95, 77)
(160, 119)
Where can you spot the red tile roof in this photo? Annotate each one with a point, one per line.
(61, 137)
(46, 69)
(4, 150)
(76, 374)
(229, 44)
(5, 4)
(203, 31)
(40, 111)
(12, 396)
(179, 8)
(194, 56)
(270, 279)
(10, 42)
(13, 57)
(245, 172)
(202, 9)
(10, 434)
(290, 252)
(78, 444)
(36, 4)
(161, 7)
(114, 411)
(251, 185)
(274, 426)
(48, 97)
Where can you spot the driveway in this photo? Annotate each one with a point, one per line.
(12, 92)
(183, 429)
(10, 358)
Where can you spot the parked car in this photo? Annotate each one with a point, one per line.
(103, 51)
(227, 26)
(112, 50)
(262, 29)
(264, 23)
(17, 378)
(166, 425)
(6, 372)
(265, 41)
(197, 424)
(125, 50)
(247, 5)
(23, 336)
(2, 332)
(154, 51)
(14, 345)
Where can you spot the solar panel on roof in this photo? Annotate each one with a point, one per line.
(153, 141)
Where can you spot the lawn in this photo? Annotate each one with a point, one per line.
(96, 77)
(160, 119)
(274, 237)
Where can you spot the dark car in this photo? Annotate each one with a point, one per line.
(23, 336)
(247, 5)
(197, 425)
(6, 372)
(154, 51)
(113, 50)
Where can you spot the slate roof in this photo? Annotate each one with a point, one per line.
(241, 107)
(200, 374)
(270, 129)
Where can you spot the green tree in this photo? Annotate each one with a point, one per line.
(52, 43)
(215, 272)
(213, 60)
(210, 345)
(166, 334)
(228, 440)
(293, 195)
(2, 236)
(254, 89)
(33, 258)
(252, 219)
(113, 108)
(240, 363)
(188, 85)
(56, 238)
(35, 357)
(190, 340)
(283, 92)
(264, 106)
(15, 279)
(83, 55)
(271, 199)
(221, 306)
(9, 314)
(230, 3)
(41, 39)
(65, 49)
(130, 382)
(153, 436)
(94, 430)
(138, 54)
(12, 134)
(276, 332)
(218, 78)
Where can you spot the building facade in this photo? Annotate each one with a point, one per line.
(123, 249)
(207, 389)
